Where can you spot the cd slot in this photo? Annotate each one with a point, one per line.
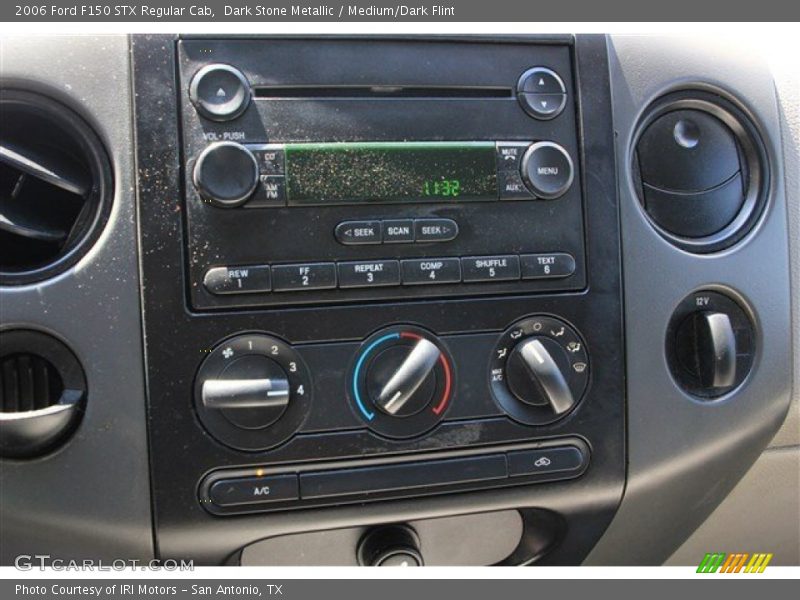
(345, 92)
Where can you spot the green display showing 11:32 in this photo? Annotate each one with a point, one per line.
(445, 188)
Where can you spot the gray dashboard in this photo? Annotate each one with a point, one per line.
(93, 496)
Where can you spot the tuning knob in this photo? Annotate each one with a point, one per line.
(401, 381)
(539, 370)
(709, 344)
(226, 174)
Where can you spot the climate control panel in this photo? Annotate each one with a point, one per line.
(402, 384)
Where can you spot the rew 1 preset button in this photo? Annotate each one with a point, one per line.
(372, 273)
(431, 270)
(490, 268)
(238, 280)
(308, 276)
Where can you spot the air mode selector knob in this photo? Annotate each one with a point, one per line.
(535, 373)
(539, 370)
(226, 174)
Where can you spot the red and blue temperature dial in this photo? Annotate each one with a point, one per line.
(401, 382)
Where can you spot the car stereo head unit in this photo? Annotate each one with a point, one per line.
(382, 183)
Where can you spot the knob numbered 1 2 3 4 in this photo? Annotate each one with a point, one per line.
(252, 391)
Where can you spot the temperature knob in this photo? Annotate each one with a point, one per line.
(401, 382)
(252, 391)
(539, 370)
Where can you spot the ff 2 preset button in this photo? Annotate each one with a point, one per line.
(307, 276)
(238, 280)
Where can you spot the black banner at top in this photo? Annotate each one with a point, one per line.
(259, 11)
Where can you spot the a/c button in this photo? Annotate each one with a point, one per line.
(254, 490)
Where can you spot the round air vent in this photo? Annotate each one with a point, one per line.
(42, 392)
(55, 187)
(700, 170)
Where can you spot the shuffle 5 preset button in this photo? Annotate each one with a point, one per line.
(490, 268)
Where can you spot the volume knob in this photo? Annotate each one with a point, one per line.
(226, 174)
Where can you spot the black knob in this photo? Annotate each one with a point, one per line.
(391, 546)
(219, 92)
(707, 348)
(709, 344)
(401, 380)
(226, 174)
(535, 374)
(252, 392)
(539, 370)
(547, 170)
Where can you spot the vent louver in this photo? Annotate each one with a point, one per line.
(55, 187)
(29, 382)
(42, 393)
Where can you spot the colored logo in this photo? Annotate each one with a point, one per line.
(740, 562)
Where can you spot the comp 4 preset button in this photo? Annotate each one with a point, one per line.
(431, 270)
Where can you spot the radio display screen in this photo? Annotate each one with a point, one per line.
(390, 172)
